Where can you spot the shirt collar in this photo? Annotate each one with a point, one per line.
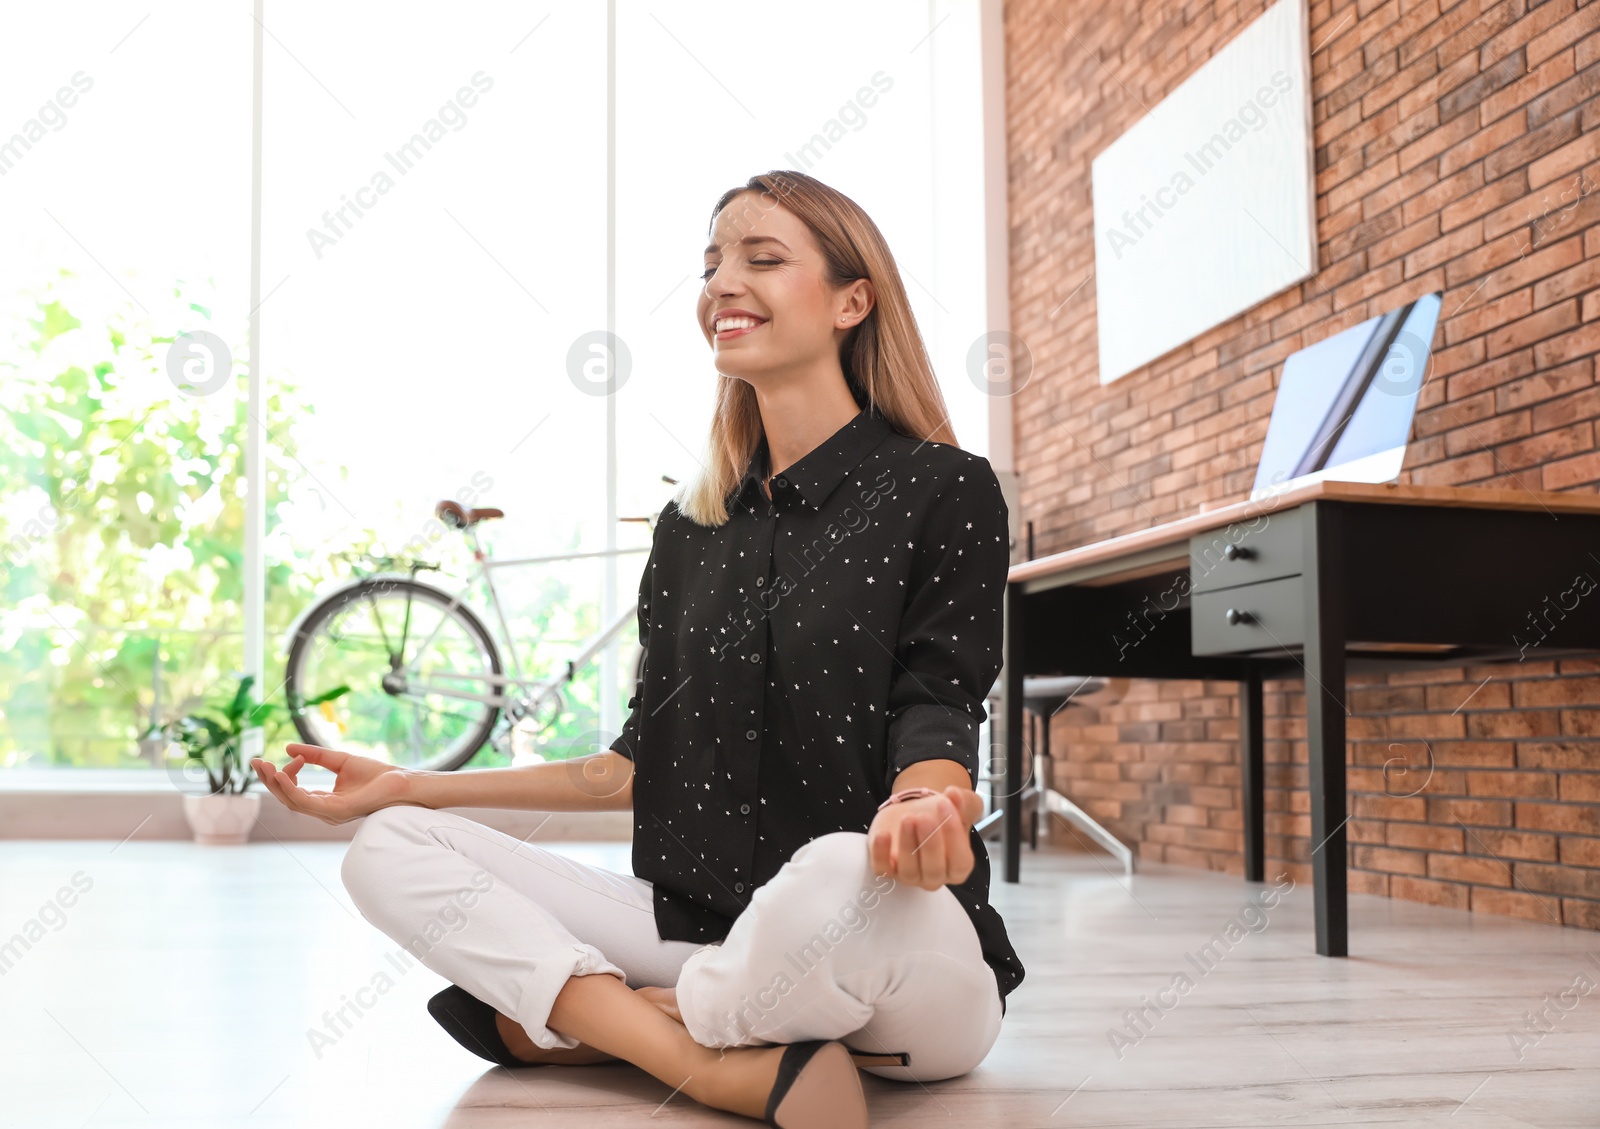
(820, 471)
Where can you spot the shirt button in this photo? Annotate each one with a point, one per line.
(749, 734)
(738, 887)
(744, 809)
(755, 657)
(780, 481)
(760, 580)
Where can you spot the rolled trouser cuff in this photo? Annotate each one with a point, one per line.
(541, 987)
(693, 1000)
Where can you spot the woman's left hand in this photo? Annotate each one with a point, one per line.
(925, 842)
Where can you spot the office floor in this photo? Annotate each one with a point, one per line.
(182, 987)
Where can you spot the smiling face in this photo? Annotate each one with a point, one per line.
(764, 263)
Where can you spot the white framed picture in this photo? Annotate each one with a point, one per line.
(1207, 205)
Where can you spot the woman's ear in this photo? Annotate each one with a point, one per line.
(861, 302)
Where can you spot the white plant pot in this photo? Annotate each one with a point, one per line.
(222, 820)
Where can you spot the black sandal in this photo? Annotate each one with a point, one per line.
(818, 1087)
(470, 1022)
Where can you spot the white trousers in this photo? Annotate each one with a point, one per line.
(825, 950)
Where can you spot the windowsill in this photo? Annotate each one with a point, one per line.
(115, 780)
(109, 803)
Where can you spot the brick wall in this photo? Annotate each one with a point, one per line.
(1457, 149)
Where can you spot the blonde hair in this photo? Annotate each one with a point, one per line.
(884, 360)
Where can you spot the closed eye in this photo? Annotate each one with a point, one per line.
(753, 262)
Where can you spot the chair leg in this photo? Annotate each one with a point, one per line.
(1072, 813)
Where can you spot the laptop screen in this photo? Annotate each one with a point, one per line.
(1345, 405)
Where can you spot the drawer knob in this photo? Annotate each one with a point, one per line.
(1236, 617)
(1235, 553)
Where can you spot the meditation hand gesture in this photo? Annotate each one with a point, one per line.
(362, 785)
(924, 841)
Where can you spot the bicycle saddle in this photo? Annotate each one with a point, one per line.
(452, 513)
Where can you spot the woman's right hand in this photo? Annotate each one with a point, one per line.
(361, 785)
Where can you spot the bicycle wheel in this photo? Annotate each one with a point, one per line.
(411, 662)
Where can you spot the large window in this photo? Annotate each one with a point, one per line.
(124, 187)
(434, 280)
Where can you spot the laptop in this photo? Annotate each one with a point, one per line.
(1345, 405)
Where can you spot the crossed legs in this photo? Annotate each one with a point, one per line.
(825, 950)
(829, 950)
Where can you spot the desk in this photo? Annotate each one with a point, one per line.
(1312, 583)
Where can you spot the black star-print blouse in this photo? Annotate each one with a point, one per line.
(798, 657)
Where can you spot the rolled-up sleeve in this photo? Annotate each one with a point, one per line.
(950, 646)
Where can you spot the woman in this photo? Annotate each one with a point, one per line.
(821, 614)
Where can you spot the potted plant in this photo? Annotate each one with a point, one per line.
(214, 740)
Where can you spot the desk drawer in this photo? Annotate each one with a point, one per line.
(1265, 547)
(1271, 616)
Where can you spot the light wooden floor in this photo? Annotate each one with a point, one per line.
(180, 988)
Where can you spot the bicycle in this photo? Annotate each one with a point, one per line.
(427, 683)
